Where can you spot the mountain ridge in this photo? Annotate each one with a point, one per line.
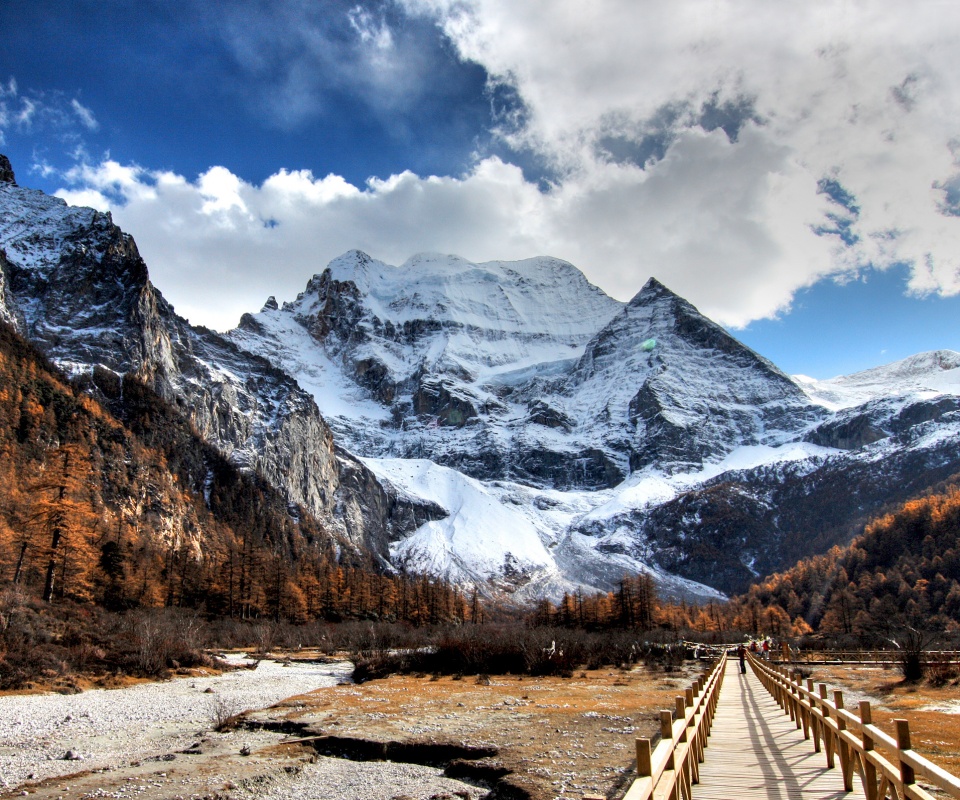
(424, 409)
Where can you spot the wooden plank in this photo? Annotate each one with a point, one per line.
(756, 750)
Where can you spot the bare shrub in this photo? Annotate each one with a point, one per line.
(940, 671)
(224, 713)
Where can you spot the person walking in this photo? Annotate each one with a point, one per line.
(742, 655)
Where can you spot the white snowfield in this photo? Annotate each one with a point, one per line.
(925, 375)
(495, 529)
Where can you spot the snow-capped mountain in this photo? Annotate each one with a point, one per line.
(74, 284)
(502, 424)
(924, 375)
(521, 371)
(608, 439)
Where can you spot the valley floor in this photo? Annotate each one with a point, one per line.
(539, 737)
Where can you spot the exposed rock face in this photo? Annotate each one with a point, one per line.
(691, 392)
(74, 284)
(475, 384)
(6, 171)
(435, 345)
(748, 523)
(520, 372)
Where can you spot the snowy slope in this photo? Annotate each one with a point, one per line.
(521, 371)
(678, 387)
(523, 400)
(925, 375)
(439, 356)
(516, 538)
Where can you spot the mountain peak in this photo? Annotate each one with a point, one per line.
(6, 171)
(652, 290)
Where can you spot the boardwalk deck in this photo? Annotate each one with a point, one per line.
(756, 751)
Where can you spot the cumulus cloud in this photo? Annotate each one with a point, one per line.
(617, 222)
(736, 150)
(864, 95)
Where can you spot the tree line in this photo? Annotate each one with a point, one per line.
(903, 571)
(107, 495)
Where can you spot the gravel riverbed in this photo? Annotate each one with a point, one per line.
(137, 737)
(48, 735)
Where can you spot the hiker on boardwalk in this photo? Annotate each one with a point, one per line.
(785, 653)
(742, 654)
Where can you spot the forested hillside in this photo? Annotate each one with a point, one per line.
(117, 501)
(902, 571)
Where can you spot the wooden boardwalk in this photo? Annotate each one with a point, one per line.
(756, 751)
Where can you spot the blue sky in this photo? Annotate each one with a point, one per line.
(794, 171)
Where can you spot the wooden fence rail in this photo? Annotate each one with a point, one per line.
(853, 739)
(671, 768)
(868, 656)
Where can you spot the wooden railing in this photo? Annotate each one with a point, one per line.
(671, 768)
(853, 739)
(866, 656)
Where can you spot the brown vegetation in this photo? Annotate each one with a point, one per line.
(897, 585)
(552, 736)
(125, 508)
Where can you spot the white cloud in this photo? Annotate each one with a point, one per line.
(85, 115)
(218, 246)
(863, 93)
(687, 140)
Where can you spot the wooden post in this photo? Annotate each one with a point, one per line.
(695, 755)
(846, 762)
(804, 713)
(795, 697)
(666, 724)
(644, 758)
(827, 732)
(907, 776)
(814, 721)
(869, 773)
(666, 733)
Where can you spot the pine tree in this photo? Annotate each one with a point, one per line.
(64, 518)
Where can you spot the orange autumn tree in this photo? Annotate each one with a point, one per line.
(61, 524)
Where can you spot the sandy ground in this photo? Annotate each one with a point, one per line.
(538, 738)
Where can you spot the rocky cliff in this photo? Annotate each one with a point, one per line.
(74, 284)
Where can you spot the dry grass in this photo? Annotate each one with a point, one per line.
(557, 737)
(934, 730)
